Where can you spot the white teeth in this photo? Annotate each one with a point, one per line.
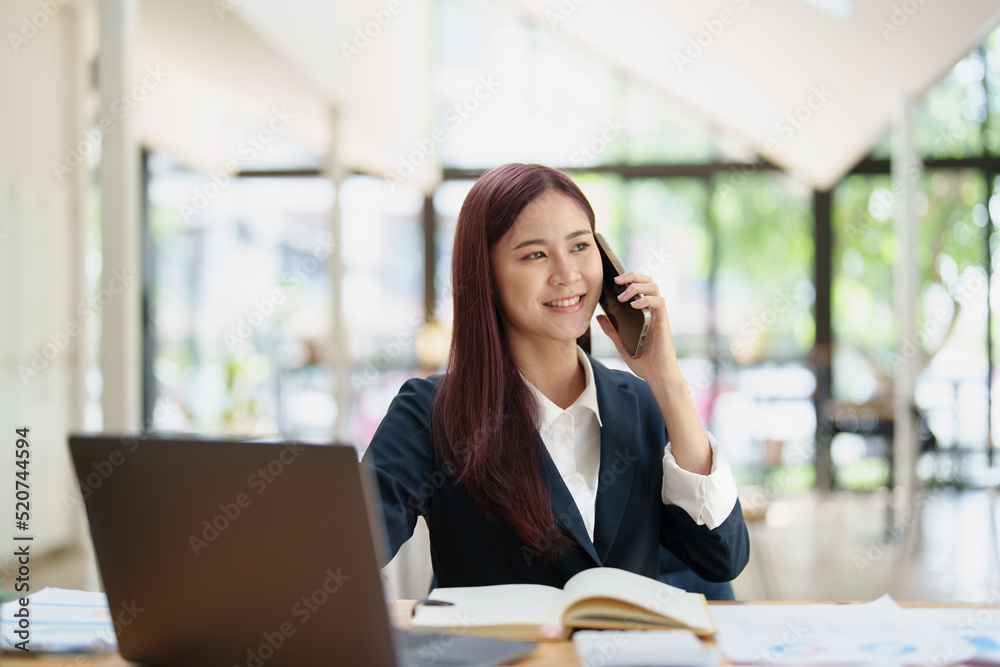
(562, 303)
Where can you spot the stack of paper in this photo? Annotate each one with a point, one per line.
(61, 621)
(978, 627)
(879, 632)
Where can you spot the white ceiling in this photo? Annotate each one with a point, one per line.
(772, 56)
(220, 78)
(852, 60)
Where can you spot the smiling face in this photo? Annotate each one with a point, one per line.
(547, 272)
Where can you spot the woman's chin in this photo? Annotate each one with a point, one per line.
(580, 331)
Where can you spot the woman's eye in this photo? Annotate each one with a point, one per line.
(538, 254)
(583, 245)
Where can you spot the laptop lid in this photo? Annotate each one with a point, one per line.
(234, 553)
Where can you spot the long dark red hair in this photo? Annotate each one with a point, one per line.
(484, 416)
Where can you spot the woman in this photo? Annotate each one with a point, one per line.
(529, 460)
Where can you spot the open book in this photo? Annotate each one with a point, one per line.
(601, 597)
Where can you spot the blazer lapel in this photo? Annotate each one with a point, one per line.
(565, 507)
(619, 449)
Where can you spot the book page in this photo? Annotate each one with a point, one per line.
(515, 605)
(688, 609)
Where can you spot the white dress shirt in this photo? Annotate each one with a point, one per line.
(573, 440)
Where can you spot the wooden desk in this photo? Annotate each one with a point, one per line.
(549, 654)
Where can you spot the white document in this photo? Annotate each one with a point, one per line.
(61, 621)
(642, 648)
(979, 627)
(876, 632)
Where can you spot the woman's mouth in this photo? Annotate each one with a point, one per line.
(565, 303)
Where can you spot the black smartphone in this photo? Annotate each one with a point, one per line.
(631, 324)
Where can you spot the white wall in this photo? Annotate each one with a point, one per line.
(41, 274)
(46, 70)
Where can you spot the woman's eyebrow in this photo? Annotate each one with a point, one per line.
(571, 235)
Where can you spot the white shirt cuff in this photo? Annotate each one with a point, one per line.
(708, 499)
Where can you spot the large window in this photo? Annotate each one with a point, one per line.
(763, 393)
(383, 296)
(241, 303)
(949, 352)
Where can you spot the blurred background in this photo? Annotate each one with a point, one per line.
(235, 217)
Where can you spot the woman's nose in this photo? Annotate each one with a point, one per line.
(565, 272)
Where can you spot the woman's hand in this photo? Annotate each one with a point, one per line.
(658, 361)
(657, 365)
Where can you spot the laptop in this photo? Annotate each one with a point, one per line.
(250, 554)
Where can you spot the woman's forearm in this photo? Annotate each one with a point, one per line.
(688, 441)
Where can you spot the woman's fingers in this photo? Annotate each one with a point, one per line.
(632, 277)
(652, 302)
(640, 284)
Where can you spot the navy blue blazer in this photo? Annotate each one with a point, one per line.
(631, 521)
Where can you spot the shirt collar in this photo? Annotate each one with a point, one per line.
(548, 411)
